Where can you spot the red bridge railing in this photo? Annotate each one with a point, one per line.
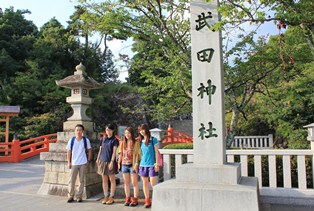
(172, 136)
(17, 151)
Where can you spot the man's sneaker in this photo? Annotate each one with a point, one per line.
(134, 202)
(127, 201)
(110, 200)
(104, 201)
(79, 200)
(70, 200)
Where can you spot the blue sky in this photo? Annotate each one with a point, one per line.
(42, 10)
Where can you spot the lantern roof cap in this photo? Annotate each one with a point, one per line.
(79, 79)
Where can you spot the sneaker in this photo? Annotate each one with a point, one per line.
(104, 201)
(79, 200)
(134, 202)
(110, 200)
(147, 204)
(127, 201)
(70, 200)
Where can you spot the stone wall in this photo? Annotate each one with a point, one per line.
(57, 173)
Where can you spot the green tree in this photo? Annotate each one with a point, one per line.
(250, 71)
(283, 13)
(289, 102)
(245, 78)
(17, 36)
(161, 36)
(30, 63)
(283, 101)
(162, 61)
(118, 103)
(104, 69)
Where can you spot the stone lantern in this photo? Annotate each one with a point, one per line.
(310, 132)
(159, 135)
(80, 84)
(57, 173)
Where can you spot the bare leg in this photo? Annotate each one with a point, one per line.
(105, 183)
(126, 178)
(145, 187)
(134, 179)
(112, 184)
(153, 181)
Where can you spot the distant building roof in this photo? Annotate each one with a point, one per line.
(310, 125)
(9, 109)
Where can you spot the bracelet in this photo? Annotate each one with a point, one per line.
(156, 164)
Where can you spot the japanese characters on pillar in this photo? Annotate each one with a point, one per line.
(207, 85)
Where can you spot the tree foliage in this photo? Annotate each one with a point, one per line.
(161, 66)
(268, 80)
(31, 60)
(278, 60)
(283, 13)
(283, 102)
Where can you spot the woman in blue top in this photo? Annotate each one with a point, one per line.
(107, 154)
(148, 165)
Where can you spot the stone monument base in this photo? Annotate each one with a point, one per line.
(173, 195)
(207, 187)
(210, 174)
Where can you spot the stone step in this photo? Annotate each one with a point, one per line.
(57, 147)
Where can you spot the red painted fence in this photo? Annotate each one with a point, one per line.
(172, 136)
(17, 151)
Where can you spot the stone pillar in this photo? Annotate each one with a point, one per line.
(209, 183)
(159, 134)
(310, 134)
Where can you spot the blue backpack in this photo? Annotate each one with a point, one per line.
(72, 142)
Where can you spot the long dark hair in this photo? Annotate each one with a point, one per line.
(132, 137)
(147, 132)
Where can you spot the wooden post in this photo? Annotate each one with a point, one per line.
(7, 111)
(6, 134)
(16, 151)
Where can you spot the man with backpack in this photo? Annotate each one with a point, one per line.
(78, 161)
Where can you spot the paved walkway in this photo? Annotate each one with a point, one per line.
(19, 183)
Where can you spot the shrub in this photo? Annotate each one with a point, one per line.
(179, 146)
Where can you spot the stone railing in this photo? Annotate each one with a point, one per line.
(287, 164)
(253, 142)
